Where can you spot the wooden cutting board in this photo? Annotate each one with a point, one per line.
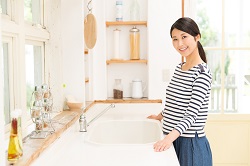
(90, 33)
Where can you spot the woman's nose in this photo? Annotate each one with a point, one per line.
(180, 43)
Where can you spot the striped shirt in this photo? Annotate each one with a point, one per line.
(186, 102)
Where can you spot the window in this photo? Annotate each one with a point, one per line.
(225, 36)
(33, 11)
(5, 9)
(6, 61)
(34, 62)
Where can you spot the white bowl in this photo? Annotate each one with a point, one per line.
(74, 105)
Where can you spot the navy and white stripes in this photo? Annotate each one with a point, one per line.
(186, 103)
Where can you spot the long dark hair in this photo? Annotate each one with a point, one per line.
(189, 26)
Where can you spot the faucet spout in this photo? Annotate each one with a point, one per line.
(101, 113)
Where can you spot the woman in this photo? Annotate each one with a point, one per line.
(187, 96)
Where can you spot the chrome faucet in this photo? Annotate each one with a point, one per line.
(83, 122)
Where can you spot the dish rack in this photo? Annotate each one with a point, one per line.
(41, 104)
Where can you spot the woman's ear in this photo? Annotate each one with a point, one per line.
(197, 38)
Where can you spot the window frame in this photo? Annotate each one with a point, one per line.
(9, 41)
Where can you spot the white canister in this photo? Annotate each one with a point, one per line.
(119, 10)
(116, 53)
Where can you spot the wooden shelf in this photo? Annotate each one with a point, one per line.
(86, 51)
(116, 23)
(127, 61)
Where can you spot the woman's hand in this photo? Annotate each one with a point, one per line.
(167, 141)
(155, 117)
(152, 117)
(163, 145)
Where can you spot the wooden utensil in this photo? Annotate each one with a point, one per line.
(90, 34)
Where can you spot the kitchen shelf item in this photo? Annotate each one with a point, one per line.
(117, 23)
(118, 89)
(127, 61)
(116, 51)
(134, 41)
(72, 105)
(137, 89)
(119, 10)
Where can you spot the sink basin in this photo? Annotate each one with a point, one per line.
(117, 132)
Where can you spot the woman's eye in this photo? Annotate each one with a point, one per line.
(183, 37)
(174, 39)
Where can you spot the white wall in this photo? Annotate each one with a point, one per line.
(98, 58)
(72, 42)
(53, 51)
(162, 56)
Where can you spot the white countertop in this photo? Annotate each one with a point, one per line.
(72, 149)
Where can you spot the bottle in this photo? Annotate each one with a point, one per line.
(134, 43)
(15, 149)
(134, 11)
(118, 89)
(119, 10)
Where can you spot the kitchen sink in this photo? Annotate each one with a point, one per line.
(125, 132)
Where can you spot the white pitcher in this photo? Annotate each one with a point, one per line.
(137, 89)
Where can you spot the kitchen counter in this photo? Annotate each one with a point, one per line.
(73, 149)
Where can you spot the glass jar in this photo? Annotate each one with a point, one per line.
(134, 38)
(118, 89)
(134, 11)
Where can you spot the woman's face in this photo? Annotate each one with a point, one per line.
(184, 43)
